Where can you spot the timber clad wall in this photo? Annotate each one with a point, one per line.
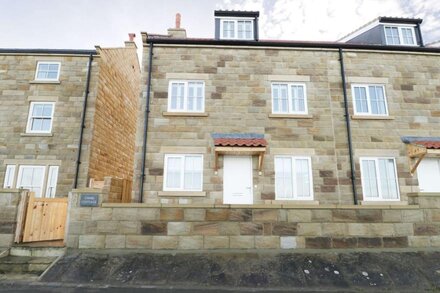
(238, 100)
(114, 129)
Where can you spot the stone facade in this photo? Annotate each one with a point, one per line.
(288, 226)
(117, 69)
(9, 200)
(238, 100)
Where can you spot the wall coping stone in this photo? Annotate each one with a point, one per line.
(424, 194)
(10, 190)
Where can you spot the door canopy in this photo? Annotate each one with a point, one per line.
(419, 147)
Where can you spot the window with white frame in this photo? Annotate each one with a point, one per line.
(399, 35)
(49, 71)
(369, 100)
(40, 179)
(237, 29)
(40, 117)
(293, 178)
(186, 96)
(289, 98)
(379, 179)
(183, 172)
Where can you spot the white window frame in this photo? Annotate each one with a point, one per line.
(182, 179)
(51, 190)
(49, 63)
(376, 164)
(369, 113)
(29, 122)
(399, 29)
(295, 195)
(289, 98)
(236, 20)
(185, 96)
(9, 176)
(43, 178)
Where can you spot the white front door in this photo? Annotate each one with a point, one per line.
(428, 173)
(237, 180)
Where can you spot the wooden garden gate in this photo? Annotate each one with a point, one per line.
(43, 219)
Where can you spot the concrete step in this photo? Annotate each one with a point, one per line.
(25, 264)
(37, 251)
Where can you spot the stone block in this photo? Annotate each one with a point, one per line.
(251, 228)
(285, 229)
(369, 216)
(71, 241)
(76, 228)
(334, 229)
(124, 214)
(179, 228)
(419, 241)
(165, 242)
(241, 215)
(369, 242)
(216, 242)
(228, 228)
(106, 227)
(435, 241)
(395, 242)
(217, 214)
(292, 242)
(346, 242)
(265, 215)
(194, 215)
(318, 242)
(403, 229)
(147, 214)
(394, 216)
(355, 229)
(6, 240)
(321, 216)
(412, 216)
(115, 241)
(348, 216)
(171, 214)
(309, 229)
(139, 241)
(382, 229)
(91, 241)
(129, 227)
(190, 242)
(80, 214)
(102, 214)
(7, 227)
(154, 228)
(299, 216)
(267, 242)
(206, 228)
(426, 229)
(242, 242)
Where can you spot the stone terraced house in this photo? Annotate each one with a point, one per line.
(66, 116)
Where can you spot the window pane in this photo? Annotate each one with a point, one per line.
(45, 126)
(377, 100)
(52, 75)
(248, 29)
(43, 67)
(298, 99)
(283, 178)
(37, 124)
(191, 97)
(47, 110)
(240, 29)
(37, 110)
(193, 173)
(369, 179)
(53, 67)
(302, 178)
(177, 96)
(407, 36)
(360, 96)
(52, 181)
(174, 172)
(9, 176)
(228, 29)
(392, 35)
(388, 179)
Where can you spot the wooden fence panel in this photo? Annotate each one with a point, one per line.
(45, 219)
(126, 190)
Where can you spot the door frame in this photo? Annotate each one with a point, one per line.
(250, 174)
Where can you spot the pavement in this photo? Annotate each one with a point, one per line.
(237, 271)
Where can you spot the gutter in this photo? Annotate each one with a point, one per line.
(83, 120)
(347, 123)
(47, 51)
(146, 116)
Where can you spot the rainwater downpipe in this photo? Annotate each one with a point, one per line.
(347, 123)
(147, 112)
(83, 121)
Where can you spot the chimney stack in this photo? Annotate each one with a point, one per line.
(177, 32)
(130, 43)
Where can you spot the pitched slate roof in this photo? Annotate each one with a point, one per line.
(239, 139)
(427, 142)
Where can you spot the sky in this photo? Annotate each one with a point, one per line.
(82, 24)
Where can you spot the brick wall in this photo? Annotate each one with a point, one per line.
(112, 150)
(255, 227)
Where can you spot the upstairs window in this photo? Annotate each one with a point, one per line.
(289, 98)
(186, 96)
(183, 173)
(396, 35)
(237, 29)
(379, 179)
(40, 117)
(48, 71)
(369, 100)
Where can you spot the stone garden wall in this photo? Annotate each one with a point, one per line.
(9, 199)
(288, 226)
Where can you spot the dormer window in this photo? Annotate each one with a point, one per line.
(396, 35)
(236, 25)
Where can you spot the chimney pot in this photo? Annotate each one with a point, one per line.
(131, 37)
(178, 20)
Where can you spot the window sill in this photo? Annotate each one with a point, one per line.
(372, 117)
(184, 114)
(291, 116)
(36, 134)
(45, 82)
(182, 193)
(384, 203)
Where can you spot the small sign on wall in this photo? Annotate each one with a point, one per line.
(88, 200)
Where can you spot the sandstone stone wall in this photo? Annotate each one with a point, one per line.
(238, 99)
(18, 89)
(203, 226)
(112, 150)
(9, 200)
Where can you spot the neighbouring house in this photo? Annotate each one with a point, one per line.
(66, 116)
